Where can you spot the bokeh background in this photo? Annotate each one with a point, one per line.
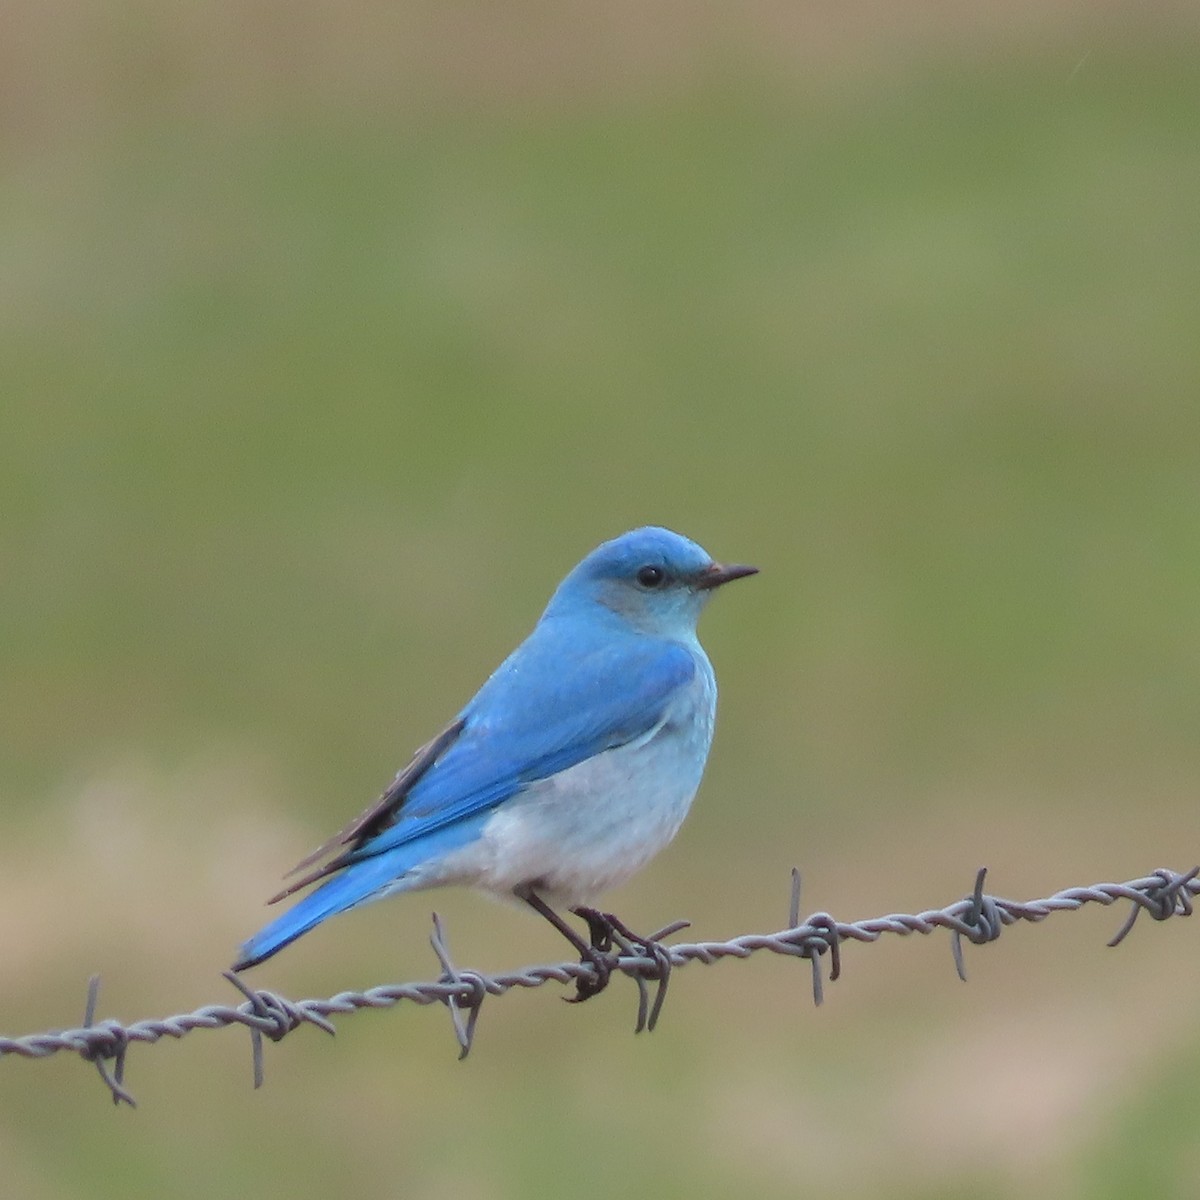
(331, 334)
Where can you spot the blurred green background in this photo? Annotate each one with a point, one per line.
(331, 335)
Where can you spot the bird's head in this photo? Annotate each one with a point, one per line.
(655, 580)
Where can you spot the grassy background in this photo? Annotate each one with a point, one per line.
(331, 338)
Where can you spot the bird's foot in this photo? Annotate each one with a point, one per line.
(595, 953)
(605, 930)
(600, 960)
(601, 927)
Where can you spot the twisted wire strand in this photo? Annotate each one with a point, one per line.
(978, 917)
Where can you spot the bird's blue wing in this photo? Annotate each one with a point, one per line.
(548, 707)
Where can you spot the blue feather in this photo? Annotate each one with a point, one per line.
(355, 886)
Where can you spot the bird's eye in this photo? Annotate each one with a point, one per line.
(651, 577)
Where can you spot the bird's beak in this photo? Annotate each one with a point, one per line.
(717, 574)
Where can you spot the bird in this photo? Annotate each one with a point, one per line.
(573, 765)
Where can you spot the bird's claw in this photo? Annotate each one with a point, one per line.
(601, 927)
(605, 930)
(586, 987)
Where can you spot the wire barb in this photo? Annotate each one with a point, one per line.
(979, 917)
(823, 935)
(1171, 896)
(98, 1053)
(983, 922)
(471, 982)
(267, 1013)
(651, 960)
(819, 935)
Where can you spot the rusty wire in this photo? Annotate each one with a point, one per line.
(978, 917)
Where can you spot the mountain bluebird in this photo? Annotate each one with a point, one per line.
(575, 763)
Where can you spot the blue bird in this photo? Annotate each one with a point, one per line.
(574, 764)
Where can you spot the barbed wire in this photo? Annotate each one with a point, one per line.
(978, 917)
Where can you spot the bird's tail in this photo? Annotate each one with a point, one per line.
(394, 870)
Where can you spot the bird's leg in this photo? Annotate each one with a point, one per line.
(594, 954)
(604, 926)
